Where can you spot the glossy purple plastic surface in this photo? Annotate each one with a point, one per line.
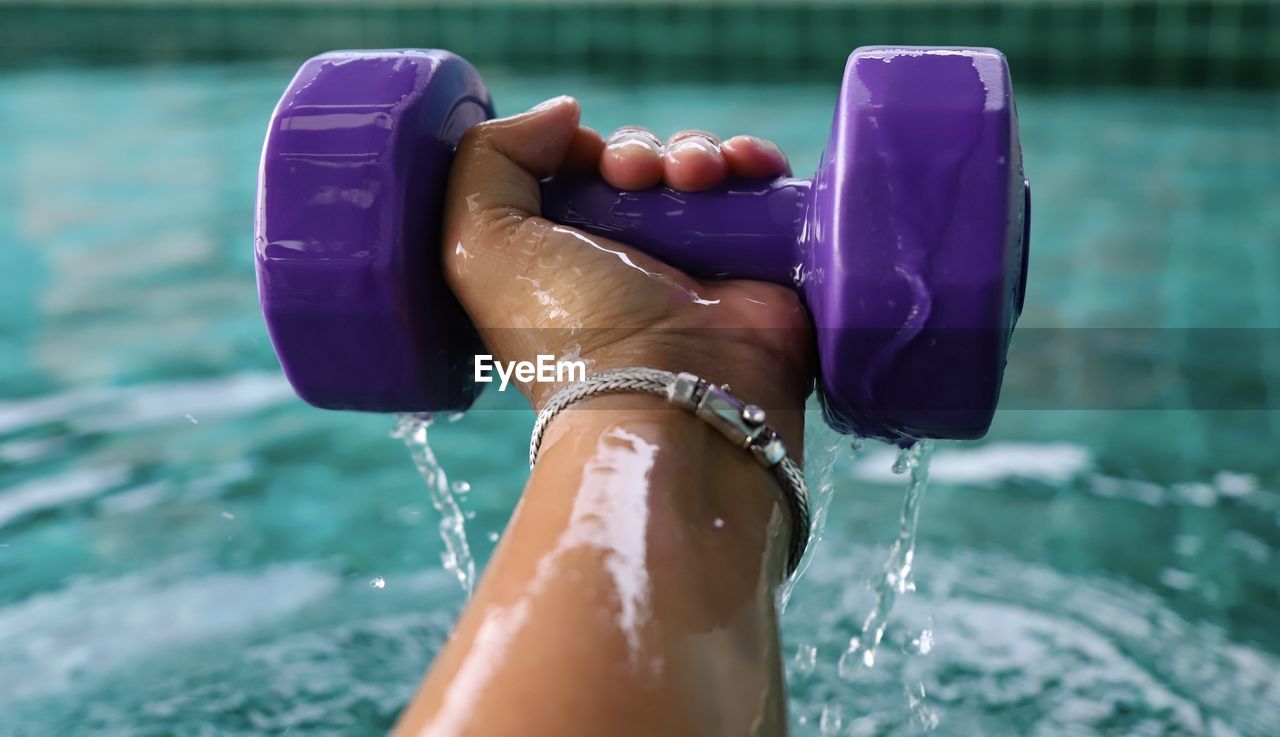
(918, 251)
(908, 245)
(351, 183)
(746, 229)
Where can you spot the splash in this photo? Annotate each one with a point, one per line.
(896, 578)
(822, 450)
(826, 447)
(457, 559)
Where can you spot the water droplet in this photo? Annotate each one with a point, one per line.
(194, 421)
(922, 715)
(832, 719)
(921, 644)
(907, 458)
(378, 582)
(493, 537)
(718, 522)
(847, 666)
(460, 487)
(228, 515)
(925, 718)
(806, 659)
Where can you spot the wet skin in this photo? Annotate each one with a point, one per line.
(633, 590)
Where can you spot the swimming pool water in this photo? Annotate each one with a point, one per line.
(187, 549)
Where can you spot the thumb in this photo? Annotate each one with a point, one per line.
(499, 162)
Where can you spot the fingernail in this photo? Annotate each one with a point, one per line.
(693, 133)
(553, 102)
(693, 143)
(634, 136)
(772, 148)
(766, 144)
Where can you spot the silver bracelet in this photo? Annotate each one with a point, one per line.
(742, 423)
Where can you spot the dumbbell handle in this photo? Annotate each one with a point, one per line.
(745, 229)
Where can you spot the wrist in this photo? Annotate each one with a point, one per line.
(743, 425)
(705, 484)
(751, 373)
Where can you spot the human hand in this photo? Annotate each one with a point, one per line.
(533, 287)
(643, 538)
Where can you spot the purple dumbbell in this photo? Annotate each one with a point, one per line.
(908, 246)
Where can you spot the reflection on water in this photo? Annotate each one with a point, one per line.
(185, 549)
(1022, 649)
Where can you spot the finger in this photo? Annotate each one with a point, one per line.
(584, 153)
(632, 159)
(499, 162)
(493, 233)
(692, 161)
(748, 157)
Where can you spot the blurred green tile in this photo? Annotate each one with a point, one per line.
(1171, 43)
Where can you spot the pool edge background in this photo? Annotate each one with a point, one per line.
(1073, 43)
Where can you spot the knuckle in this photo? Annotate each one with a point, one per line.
(476, 138)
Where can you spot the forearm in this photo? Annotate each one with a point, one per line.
(633, 590)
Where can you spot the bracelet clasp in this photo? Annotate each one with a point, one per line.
(742, 423)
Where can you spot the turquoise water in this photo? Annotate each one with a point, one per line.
(186, 549)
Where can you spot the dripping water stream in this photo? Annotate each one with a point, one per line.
(457, 558)
(822, 451)
(895, 579)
